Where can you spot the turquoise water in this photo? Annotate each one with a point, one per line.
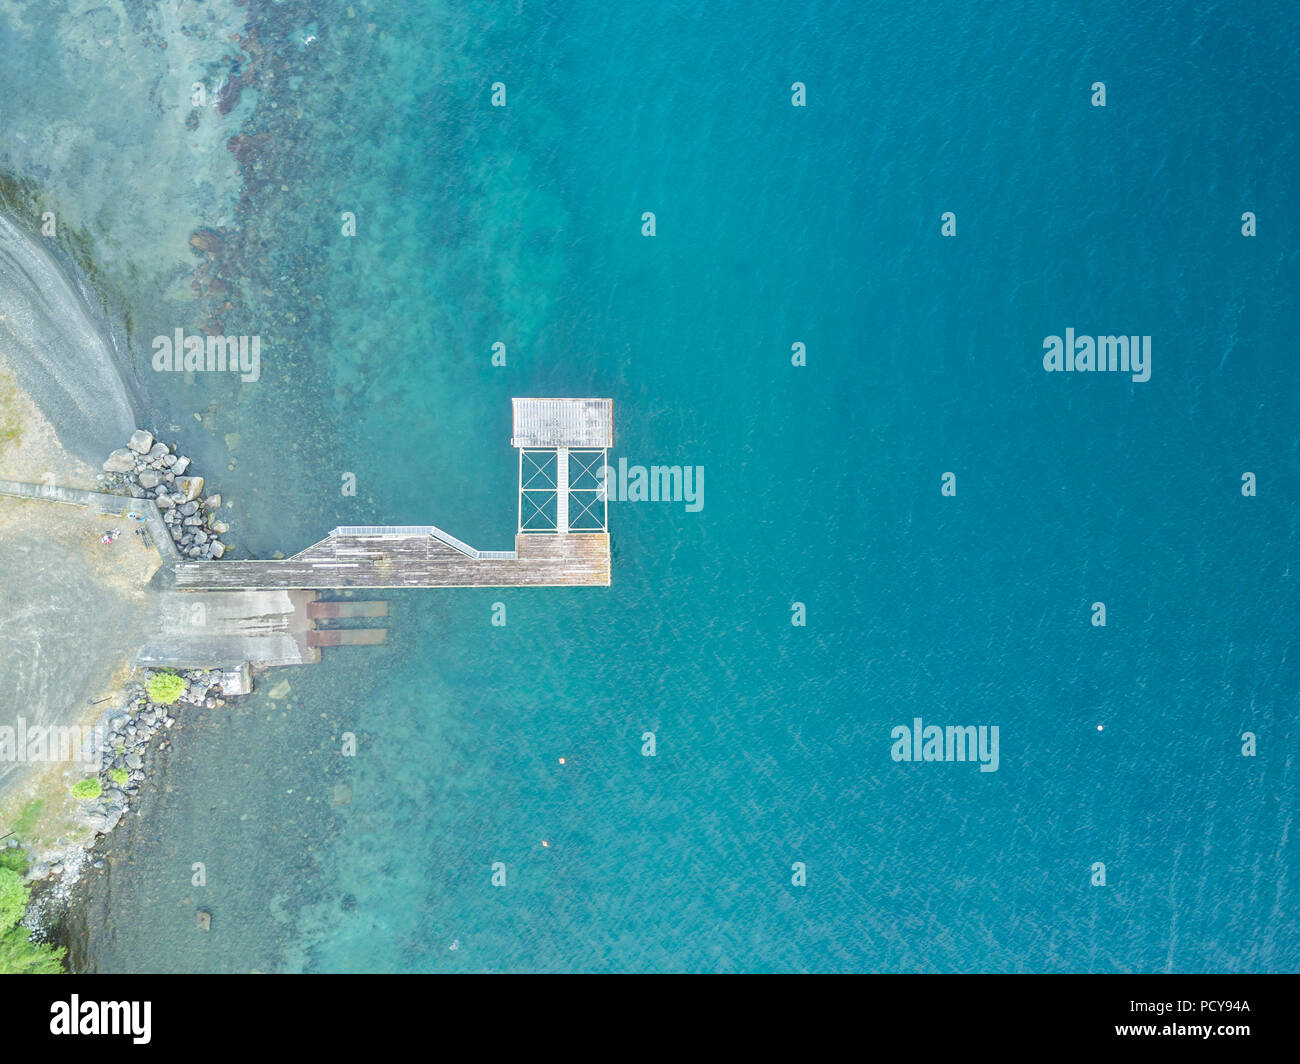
(775, 225)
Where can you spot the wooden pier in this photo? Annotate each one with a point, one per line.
(551, 548)
(378, 560)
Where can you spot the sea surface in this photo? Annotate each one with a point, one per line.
(775, 225)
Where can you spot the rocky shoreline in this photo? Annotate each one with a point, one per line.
(128, 731)
(119, 746)
(149, 469)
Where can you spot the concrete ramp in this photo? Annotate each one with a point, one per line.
(224, 629)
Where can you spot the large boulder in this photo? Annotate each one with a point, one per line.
(120, 461)
(99, 822)
(150, 478)
(140, 441)
(190, 487)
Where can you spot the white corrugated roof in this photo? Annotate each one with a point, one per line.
(563, 423)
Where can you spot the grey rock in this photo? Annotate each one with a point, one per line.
(150, 478)
(119, 461)
(193, 522)
(180, 465)
(220, 527)
(138, 492)
(164, 501)
(140, 441)
(200, 536)
(169, 460)
(213, 502)
(217, 548)
(157, 451)
(134, 761)
(189, 508)
(191, 486)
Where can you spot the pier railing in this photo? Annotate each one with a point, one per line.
(423, 530)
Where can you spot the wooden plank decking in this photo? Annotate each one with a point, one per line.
(396, 561)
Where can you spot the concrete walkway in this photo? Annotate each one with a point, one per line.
(105, 503)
